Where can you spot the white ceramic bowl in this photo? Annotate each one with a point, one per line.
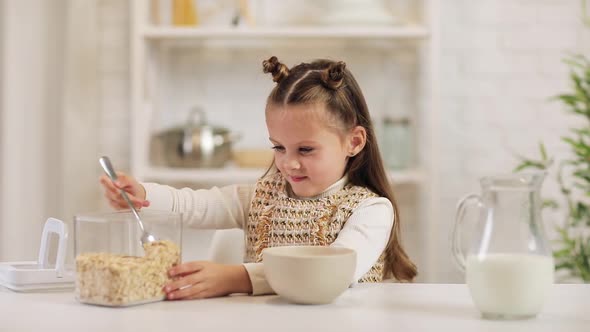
(309, 274)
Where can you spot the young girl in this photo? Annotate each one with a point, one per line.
(327, 187)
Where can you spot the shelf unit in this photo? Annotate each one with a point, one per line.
(148, 41)
(171, 33)
(231, 174)
(146, 38)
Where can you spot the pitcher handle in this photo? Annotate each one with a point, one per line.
(458, 254)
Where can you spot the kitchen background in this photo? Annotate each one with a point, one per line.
(474, 85)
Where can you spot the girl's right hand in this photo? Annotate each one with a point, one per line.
(135, 191)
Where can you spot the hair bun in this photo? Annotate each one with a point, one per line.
(278, 70)
(333, 76)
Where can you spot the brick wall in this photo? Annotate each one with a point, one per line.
(500, 62)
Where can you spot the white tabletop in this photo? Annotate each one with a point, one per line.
(378, 307)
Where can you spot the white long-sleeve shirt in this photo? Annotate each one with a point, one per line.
(366, 231)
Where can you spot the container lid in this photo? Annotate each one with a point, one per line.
(40, 275)
(30, 276)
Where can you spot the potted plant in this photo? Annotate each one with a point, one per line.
(572, 250)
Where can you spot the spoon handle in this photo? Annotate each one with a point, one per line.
(132, 207)
(105, 162)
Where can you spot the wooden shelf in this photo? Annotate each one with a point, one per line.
(395, 32)
(234, 175)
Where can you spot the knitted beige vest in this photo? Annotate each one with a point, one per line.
(275, 219)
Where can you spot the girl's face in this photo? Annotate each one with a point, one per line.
(310, 154)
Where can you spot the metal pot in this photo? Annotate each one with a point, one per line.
(196, 144)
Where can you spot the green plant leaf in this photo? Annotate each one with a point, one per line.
(582, 131)
(573, 103)
(583, 174)
(543, 151)
(582, 262)
(577, 61)
(566, 241)
(561, 253)
(550, 203)
(564, 266)
(580, 148)
(527, 164)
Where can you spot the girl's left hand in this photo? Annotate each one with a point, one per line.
(198, 280)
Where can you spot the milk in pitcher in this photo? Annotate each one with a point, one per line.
(509, 285)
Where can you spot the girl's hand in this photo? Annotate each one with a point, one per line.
(135, 191)
(198, 280)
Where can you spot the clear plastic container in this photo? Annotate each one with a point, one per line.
(112, 266)
(395, 142)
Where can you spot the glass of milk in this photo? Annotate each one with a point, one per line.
(509, 264)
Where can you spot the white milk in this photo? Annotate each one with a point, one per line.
(509, 284)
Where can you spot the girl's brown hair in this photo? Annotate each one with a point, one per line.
(329, 83)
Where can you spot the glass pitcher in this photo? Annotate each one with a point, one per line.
(509, 264)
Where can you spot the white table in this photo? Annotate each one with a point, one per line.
(377, 307)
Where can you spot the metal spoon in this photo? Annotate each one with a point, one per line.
(108, 169)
